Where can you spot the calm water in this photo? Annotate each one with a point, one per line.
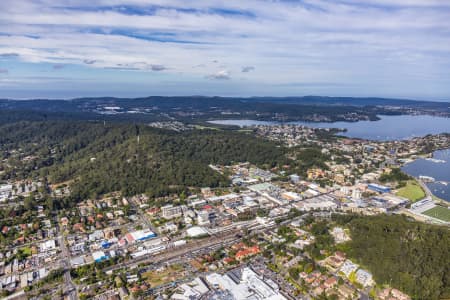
(388, 128)
(440, 171)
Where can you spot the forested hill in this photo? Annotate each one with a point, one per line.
(355, 101)
(181, 108)
(129, 158)
(200, 102)
(198, 108)
(408, 255)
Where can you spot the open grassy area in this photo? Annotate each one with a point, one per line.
(438, 212)
(160, 277)
(412, 191)
(26, 251)
(245, 130)
(201, 127)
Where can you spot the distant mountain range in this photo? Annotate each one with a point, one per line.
(303, 100)
(356, 101)
(200, 108)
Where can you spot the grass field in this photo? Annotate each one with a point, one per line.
(169, 274)
(26, 251)
(201, 127)
(438, 212)
(412, 191)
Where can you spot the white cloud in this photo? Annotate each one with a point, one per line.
(220, 75)
(279, 41)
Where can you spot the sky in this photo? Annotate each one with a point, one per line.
(134, 48)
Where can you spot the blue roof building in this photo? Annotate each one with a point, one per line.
(379, 188)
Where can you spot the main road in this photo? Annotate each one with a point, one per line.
(69, 288)
(425, 188)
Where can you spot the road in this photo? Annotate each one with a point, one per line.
(425, 188)
(142, 216)
(69, 288)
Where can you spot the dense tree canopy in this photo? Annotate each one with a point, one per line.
(310, 158)
(409, 255)
(133, 159)
(395, 175)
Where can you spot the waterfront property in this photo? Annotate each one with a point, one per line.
(436, 169)
(405, 126)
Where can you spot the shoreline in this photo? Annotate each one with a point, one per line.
(357, 129)
(424, 186)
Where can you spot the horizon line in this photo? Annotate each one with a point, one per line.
(219, 96)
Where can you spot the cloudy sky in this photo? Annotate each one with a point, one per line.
(72, 48)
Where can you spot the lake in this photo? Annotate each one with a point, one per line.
(439, 169)
(388, 128)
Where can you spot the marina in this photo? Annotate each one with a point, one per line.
(436, 176)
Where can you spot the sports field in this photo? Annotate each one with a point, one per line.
(438, 212)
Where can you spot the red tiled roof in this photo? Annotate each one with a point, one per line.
(228, 260)
(246, 252)
(330, 282)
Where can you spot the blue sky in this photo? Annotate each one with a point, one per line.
(131, 48)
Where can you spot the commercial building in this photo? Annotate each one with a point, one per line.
(196, 231)
(356, 194)
(170, 211)
(150, 250)
(203, 217)
(99, 256)
(47, 245)
(5, 192)
(192, 290)
(379, 188)
(244, 284)
(139, 235)
(291, 196)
